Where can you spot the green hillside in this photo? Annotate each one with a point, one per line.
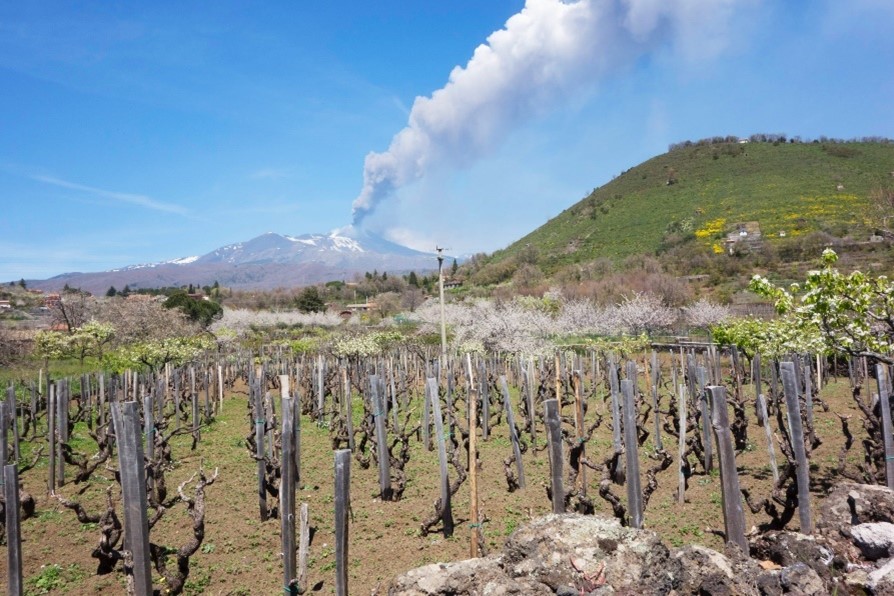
(694, 195)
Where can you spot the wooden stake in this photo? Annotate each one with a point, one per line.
(796, 432)
(631, 445)
(884, 395)
(473, 461)
(13, 530)
(733, 514)
(554, 433)
(342, 506)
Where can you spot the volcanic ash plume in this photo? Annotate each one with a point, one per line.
(549, 51)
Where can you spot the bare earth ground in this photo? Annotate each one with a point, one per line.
(241, 555)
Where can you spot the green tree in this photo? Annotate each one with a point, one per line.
(309, 300)
(200, 311)
(23, 284)
(125, 292)
(454, 268)
(111, 292)
(413, 280)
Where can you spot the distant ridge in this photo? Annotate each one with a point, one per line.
(268, 261)
(700, 191)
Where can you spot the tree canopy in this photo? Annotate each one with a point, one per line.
(310, 300)
(200, 311)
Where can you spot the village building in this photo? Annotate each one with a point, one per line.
(745, 237)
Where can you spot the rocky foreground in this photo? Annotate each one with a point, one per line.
(852, 552)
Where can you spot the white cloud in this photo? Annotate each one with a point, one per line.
(545, 55)
(122, 197)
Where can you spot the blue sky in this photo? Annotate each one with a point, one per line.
(142, 132)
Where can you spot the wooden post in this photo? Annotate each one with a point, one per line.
(558, 367)
(484, 396)
(342, 506)
(554, 433)
(4, 454)
(446, 509)
(530, 395)
(654, 370)
(513, 432)
(705, 415)
(733, 514)
(756, 373)
(634, 492)
(580, 429)
(287, 495)
(380, 416)
(260, 430)
(220, 387)
(13, 530)
(765, 422)
(51, 436)
(884, 395)
(681, 412)
(133, 488)
(303, 547)
(12, 410)
(474, 525)
(149, 432)
(426, 418)
(62, 401)
(617, 443)
(806, 373)
(349, 406)
(796, 432)
(177, 375)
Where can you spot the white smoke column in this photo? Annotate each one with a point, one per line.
(548, 51)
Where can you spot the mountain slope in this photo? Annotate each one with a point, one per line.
(790, 189)
(268, 261)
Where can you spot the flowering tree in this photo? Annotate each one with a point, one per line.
(851, 313)
(644, 313)
(704, 313)
(90, 339)
(154, 354)
(774, 338)
(242, 320)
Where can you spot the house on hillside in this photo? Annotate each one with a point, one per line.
(5, 305)
(745, 237)
(361, 307)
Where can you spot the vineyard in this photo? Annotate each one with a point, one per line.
(226, 463)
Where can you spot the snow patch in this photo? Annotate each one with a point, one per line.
(184, 260)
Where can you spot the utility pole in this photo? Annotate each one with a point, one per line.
(443, 321)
